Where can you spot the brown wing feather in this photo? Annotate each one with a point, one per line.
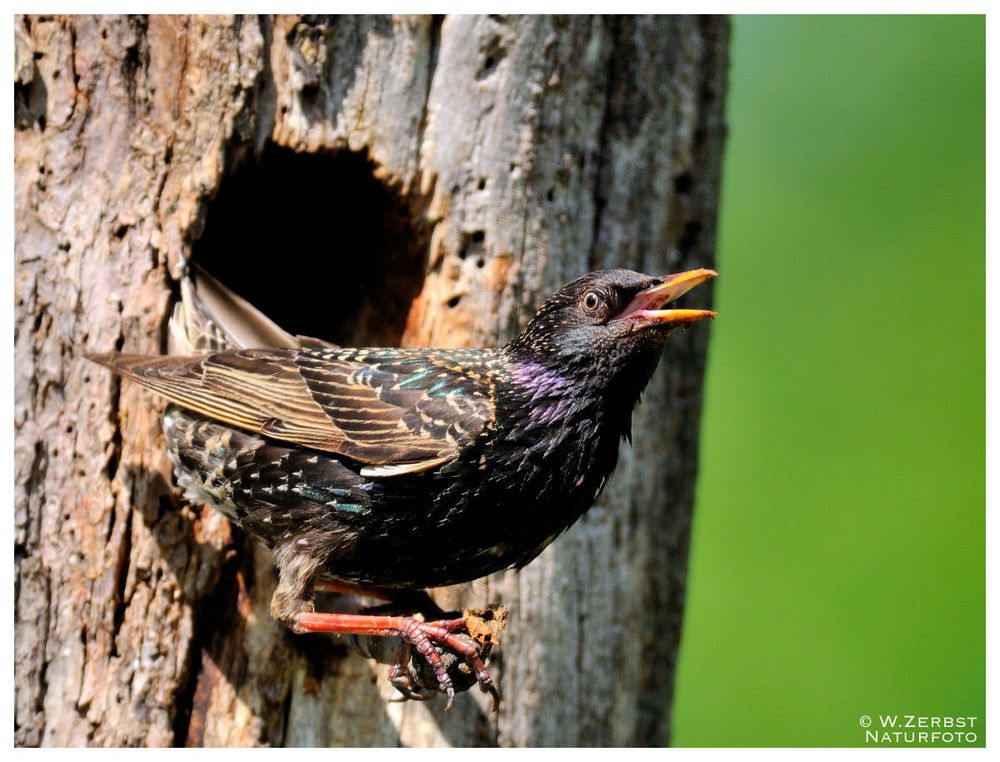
(315, 399)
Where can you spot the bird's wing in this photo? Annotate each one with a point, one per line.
(398, 411)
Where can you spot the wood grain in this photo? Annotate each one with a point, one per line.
(526, 151)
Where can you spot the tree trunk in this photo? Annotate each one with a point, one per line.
(422, 181)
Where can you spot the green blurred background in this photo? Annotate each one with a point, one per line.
(838, 556)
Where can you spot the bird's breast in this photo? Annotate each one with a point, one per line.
(541, 474)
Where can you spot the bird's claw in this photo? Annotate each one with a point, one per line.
(427, 638)
(402, 679)
(409, 690)
(494, 694)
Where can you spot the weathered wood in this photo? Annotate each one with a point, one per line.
(517, 152)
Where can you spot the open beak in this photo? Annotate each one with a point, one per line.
(646, 307)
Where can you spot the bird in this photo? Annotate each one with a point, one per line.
(390, 469)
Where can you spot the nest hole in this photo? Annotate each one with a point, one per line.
(318, 244)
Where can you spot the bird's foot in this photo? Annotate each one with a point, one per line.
(403, 680)
(426, 637)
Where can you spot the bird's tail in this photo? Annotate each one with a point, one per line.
(211, 318)
(208, 318)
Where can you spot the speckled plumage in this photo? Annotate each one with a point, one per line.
(411, 468)
(522, 476)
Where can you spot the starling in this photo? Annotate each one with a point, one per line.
(392, 469)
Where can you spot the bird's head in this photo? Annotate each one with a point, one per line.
(609, 321)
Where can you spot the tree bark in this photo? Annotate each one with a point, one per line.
(487, 160)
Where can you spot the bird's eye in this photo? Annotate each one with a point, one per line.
(592, 301)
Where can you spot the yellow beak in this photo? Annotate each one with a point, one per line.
(647, 304)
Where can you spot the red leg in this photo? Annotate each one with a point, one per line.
(422, 635)
(334, 586)
(413, 600)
